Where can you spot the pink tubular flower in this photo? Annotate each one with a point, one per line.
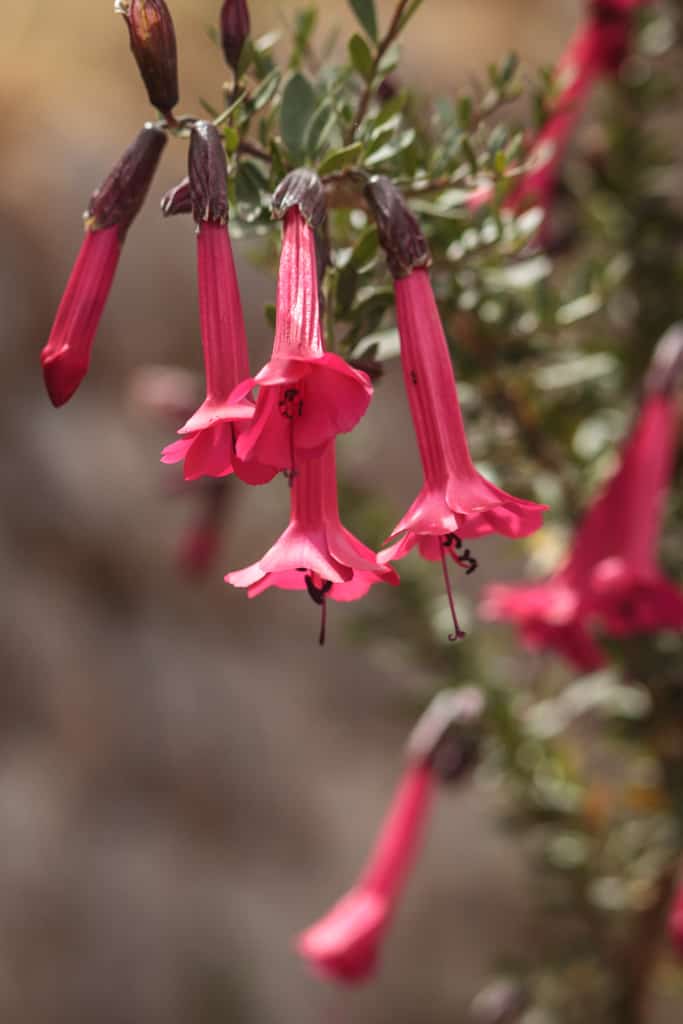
(316, 553)
(611, 574)
(596, 50)
(456, 501)
(66, 356)
(208, 440)
(306, 395)
(676, 921)
(345, 943)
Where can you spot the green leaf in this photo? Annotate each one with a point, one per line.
(392, 149)
(266, 90)
(389, 61)
(343, 157)
(365, 12)
(232, 138)
(321, 125)
(208, 107)
(269, 313)
(365, 248)
(247, 193)
(298, 105)
(361, 58)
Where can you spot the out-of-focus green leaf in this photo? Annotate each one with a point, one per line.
(339, 158)
(391, 149)
(367, 16)
(361, 58)
(266, 90)
(298, 105)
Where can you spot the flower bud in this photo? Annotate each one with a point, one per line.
(118, 199)
(235, 26)
(301, 188)
(153, 43)
(208, 174)
(177, 199)
(448, 734)
(400, 234)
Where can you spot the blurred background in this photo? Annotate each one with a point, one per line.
(186, 779)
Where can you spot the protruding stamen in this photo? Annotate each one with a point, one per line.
(317, 591)
(459, 633)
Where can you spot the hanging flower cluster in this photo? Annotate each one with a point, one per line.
(286, 418)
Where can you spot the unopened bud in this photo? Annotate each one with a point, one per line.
(235, 27)
(208, 174)
(666, 366)
(301, 188)
(119, 198)
(400, 234)
(447, 735)
(153, 43)
(177, 199)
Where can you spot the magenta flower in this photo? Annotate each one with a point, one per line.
(306, 395)
(597, 49)
(345, 943)
(629, 592)
(456, 502)
(207, 447)
(316, 553)
(66, 356)
(675, 922)
(611, 576)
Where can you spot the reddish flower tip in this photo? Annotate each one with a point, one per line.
(66, 356)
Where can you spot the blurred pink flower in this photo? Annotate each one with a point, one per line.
(611, 575)
(676, 921)
(456, 501)
(306, 395)
(316, 553)
(345, 943)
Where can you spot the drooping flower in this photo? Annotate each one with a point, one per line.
(596, 50)
(346, 942)
(66, 356)
(200, 542)
(207, 447)
(611, 576)
(316, 553)
(153, 45)
(456, 502)
(675, 922)
(306, 395)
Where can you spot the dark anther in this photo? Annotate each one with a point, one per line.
(317, 594)
(413, 377)
(287, 404)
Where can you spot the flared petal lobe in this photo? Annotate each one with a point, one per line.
(315, 553)
(66, 356)
(306, 396)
